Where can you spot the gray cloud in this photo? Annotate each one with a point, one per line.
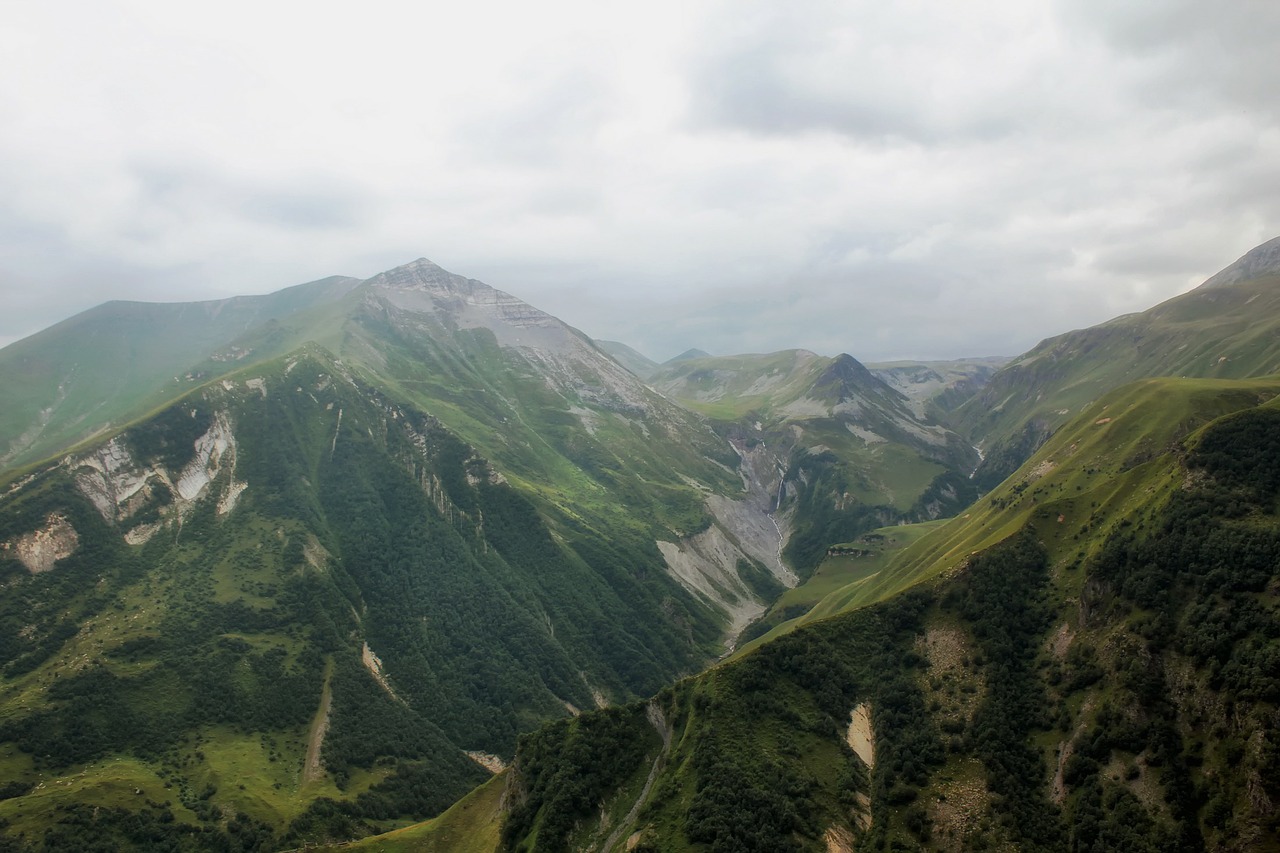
(938, 180)
(872, 71)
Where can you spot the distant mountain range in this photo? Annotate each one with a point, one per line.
(308, 567)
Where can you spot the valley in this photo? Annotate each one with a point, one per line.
(409, 564)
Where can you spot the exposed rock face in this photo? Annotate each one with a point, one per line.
(109, 477)
(421, 294)
(707, 566)
(40, 549)
(211, 450)
(373, 664)
(119, 485)
(861, 736)
(423, 287)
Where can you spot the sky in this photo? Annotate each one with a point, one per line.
(918, 179)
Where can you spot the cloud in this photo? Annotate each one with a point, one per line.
(889, 180)
(1191, 55)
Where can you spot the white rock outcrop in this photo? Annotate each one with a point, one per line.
(211, 449)
(40, 549)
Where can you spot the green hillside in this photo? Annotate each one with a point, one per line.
(377, 541)
(1085, 662)
(1230, 332)
(292, 602)
(638, 363)
(851, 453)
(100, 369)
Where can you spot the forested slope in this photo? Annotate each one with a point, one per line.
(291, 599)
(1103, 677)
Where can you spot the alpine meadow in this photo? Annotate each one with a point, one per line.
(406, 563)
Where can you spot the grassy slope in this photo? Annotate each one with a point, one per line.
(1088, 688)
(1093, 468)
(471, 825)
(838, 579)
(1224, 333)
(729, 388)
(607, 471)
(637, 362)
(109, 364)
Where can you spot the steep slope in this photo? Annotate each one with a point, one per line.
(1258, 262)
(109, 364)
(568, 425)
(638, 363)
(585, 439)
(936, 388)
(288, 539)
(1086, 662)
(1227, 328)
(850, 452)
(325, 592)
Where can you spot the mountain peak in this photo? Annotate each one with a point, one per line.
(845, 375)
(423, 274)
(1258, 261)
(688, 355)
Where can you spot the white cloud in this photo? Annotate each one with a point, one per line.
(919, 178)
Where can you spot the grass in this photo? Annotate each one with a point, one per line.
(471, 825)
(1227, 333)
(121, 782)
(841, 575)
(111, 364)
(729, 388)
(1104, 465)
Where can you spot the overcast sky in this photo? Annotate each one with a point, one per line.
(911, 179)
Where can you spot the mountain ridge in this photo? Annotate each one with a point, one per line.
(1261, 260)
(441, 517)
(1228, 330)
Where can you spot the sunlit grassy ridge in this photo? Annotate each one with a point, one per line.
(1094, 468)
(108, 365)
(471, 825)
(1224, 333)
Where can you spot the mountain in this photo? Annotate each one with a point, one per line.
(91, 372)
(1227, 328)
(1084, 660)
(845, 451)
(688, 354)
(320, 582)
(409, 538)
(1260, 261)
(629, 358)
(935, 388)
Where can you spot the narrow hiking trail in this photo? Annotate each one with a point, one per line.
(313, 768)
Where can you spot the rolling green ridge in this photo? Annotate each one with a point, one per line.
(108, 365)
(1224, 332)
(638, 363)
